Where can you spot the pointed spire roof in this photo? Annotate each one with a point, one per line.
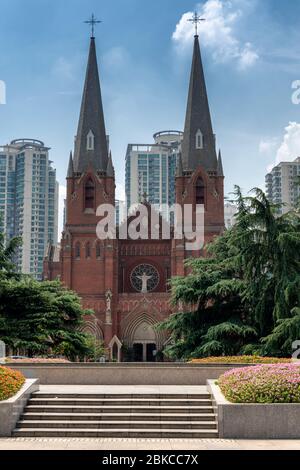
(110, 171)
(198, 119)
(179, 169)
(220, 171)
(93, 150)
(70, 167)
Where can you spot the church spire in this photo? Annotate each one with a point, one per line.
(220, 171)
(70, 173)
(91, 142)
(110, 171)
(198, 146)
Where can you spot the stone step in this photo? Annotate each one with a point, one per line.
(119, 402)
(136, 415)
(117, 409)
(118, 433)
(132, 425)
(123, 395)
(149, 417)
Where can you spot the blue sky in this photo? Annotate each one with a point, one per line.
(251, 55)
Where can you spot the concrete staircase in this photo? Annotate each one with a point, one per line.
(121, 415)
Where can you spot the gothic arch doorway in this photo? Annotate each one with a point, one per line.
(144, 343)
(140, 335)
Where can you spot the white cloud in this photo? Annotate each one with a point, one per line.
(267, 146)
(289, 149)
(248, 56)
(217, 33)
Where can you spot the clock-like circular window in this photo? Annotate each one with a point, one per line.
(144, 278)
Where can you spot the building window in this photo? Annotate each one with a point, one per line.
(88, 250)
(89, 194)
(199, 140)
(90, 144)
(77, 250)
(98, 250)
(200, 191)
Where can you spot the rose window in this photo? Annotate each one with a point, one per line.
(144, 278)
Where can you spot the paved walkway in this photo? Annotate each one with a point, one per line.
(143, 444)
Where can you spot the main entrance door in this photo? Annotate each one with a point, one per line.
(138, 351)
(144, 343)
(144, 352)
(151, 352)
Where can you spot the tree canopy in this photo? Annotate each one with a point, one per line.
(244, 296)
(40, 318)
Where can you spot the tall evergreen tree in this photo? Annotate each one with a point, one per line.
(249, 282)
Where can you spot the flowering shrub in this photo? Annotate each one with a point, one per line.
(240, 360)
(275, 383)
(10, 382)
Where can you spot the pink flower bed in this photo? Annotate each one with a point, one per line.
(274, 383)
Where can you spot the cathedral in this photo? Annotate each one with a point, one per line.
(125, 281)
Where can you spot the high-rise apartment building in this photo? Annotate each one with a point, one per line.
(281, 184)
(28, 201)
(151, 170)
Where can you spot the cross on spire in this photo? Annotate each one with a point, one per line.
(93, 22)
(196, 20)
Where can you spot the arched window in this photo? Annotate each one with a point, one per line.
(98, 250)
(89, 194)
(90, 143)
(77, 250)
(199, 140)
(200, 191)
(88, 250)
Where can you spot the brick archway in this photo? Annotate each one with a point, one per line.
(133, 324)
(92, 327)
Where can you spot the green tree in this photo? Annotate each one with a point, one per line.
(95, 347)
(243, 290)
(42, 318)
(7, 250)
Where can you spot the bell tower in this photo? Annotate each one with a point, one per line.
(199, 177)
(89, 265)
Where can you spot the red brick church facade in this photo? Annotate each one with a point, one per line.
(102, 271)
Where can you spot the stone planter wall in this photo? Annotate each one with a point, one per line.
(254, 421)
(11, 409)
(122, 374)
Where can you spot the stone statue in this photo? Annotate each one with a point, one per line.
(144, 278)
(108, 297)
